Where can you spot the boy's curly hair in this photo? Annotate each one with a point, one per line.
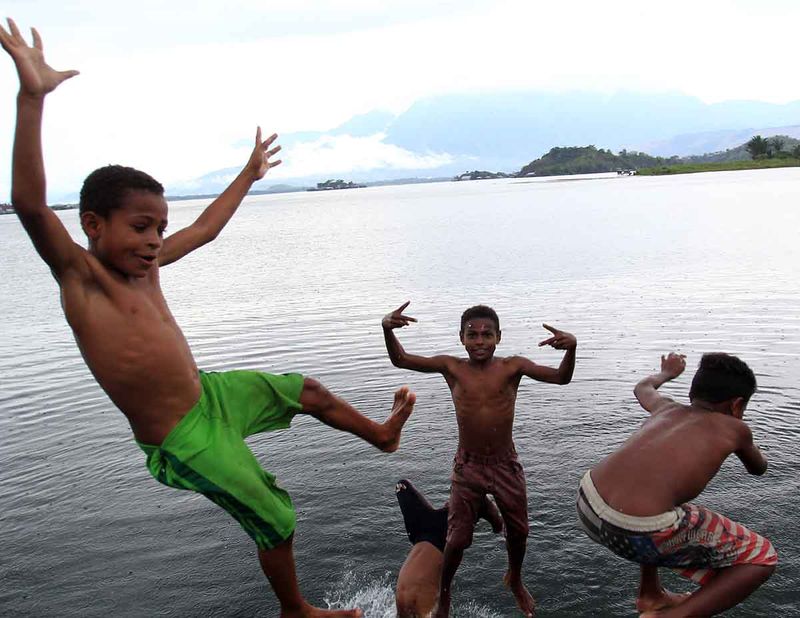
(721, 377)
(480, 311)
(104, 188)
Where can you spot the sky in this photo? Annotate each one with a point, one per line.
(177, 88)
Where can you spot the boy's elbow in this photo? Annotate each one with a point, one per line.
(400, 362)
(207, 234)
(23, 205)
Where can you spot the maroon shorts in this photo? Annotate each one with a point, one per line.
(475, 476)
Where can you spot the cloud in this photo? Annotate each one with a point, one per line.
(344, 154)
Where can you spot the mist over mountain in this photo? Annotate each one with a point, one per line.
(522, 125)
(711, 141)
(444, 135)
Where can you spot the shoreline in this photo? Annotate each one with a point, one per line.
(722, 166)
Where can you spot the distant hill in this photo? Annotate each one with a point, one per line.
(737, 153)
(589, 160)
(712, 141)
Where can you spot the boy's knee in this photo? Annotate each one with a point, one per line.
(766, 571)
(517, 529)
(314, 395)
(406, 603)
(517, 540)
(459, 539)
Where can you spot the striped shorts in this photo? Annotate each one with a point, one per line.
(692, 540)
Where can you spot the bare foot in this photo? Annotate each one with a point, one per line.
(524, 599)
(404, 401)
(491, 513)
(664, 599)
(309, 611)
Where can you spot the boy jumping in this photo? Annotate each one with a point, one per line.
(190, 424)
(636, 501)
(484, 390)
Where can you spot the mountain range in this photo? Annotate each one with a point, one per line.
(444, 135)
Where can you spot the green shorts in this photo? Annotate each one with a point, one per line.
(206, 451)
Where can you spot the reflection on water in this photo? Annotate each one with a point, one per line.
(634, 266)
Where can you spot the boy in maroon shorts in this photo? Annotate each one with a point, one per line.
(484, 390)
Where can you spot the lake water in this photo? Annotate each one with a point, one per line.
(635, 267)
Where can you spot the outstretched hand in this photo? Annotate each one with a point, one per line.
(673, 364)
(396, 319)
(561, 340)
(259, 163)
(36, 77)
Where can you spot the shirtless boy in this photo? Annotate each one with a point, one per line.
(190, 424)
(484, 390)
(636, 501)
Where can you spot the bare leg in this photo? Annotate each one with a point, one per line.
(729, 587)
(652, 596)
(513, 578)
(278, 566)
(452, 559)
(320, 403)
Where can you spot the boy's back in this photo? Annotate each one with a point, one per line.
(669, 460)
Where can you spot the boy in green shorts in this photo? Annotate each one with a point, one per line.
(190, 424)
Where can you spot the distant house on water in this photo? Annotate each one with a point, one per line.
(330, 185)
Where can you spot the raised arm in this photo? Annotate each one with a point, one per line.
(646, 390)
(28, 184)
(211, 221)
(399, 357)
(560, 340)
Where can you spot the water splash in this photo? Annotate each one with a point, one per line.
(376, 598)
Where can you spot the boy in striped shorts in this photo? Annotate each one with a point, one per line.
(636, 501)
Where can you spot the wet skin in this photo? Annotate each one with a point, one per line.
(112, 299)
(683, 446)
(484, 391)
(121, 321)
(483, 386)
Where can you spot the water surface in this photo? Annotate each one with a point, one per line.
(635, 267)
